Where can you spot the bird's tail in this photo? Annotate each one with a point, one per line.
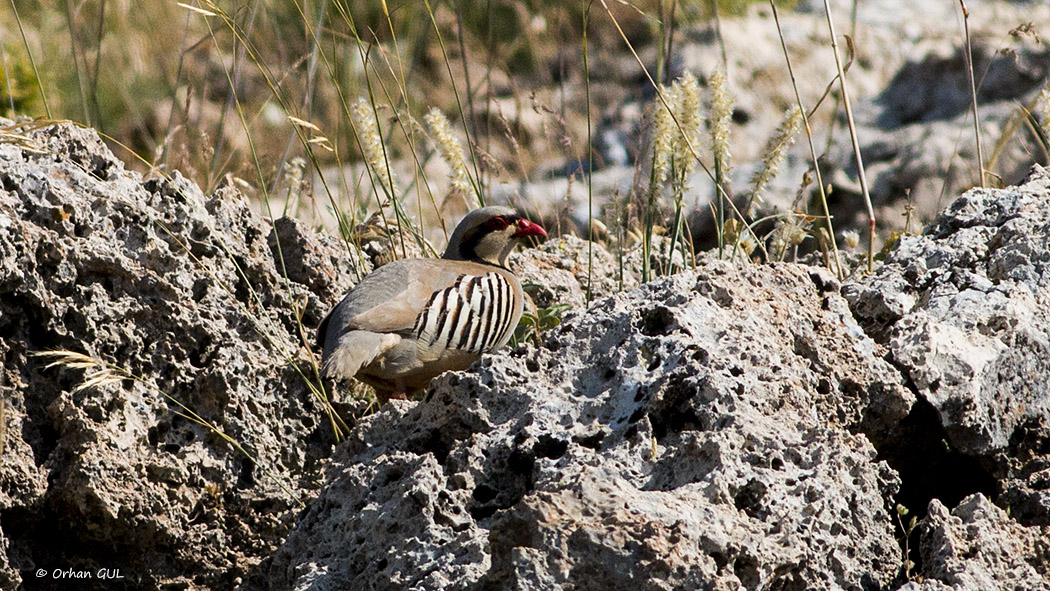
(356, 349)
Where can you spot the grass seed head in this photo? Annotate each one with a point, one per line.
(688, 112)
(721, 115)
(773, 155)
(663, 133)
(451, 153)
(371, 143)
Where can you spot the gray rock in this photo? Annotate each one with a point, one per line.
(181, 290)
(561, 270)
(965, 311)
(695, 432)
(977, 546)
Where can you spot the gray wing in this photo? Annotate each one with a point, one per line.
(387, 300)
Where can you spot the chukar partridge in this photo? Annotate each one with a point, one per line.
(413, 319)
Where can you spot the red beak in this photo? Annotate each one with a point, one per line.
(527, 228)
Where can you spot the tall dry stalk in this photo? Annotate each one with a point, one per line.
(812, 149)
(968, 58)
(32, 61)
(721, 115)
(590, 150)
(856, 142)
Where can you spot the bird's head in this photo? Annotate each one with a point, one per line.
(487, 235)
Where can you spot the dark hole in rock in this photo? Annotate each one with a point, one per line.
(246, 478)
(593, 441)
(637, 415)
(930, 469)
(701, 356)
(749, 499)
(823, 282)
(658, 321)
(434, 442)
(642, 392)
(746, 569)
(549, 447)
(479, 512)
(521, 462)
(392, 475)
(484, 493)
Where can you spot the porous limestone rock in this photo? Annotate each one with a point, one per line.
(183, 291)
(977, 546)
(964, 309)
(701, 431)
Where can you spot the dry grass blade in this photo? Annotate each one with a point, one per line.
(968, 57)
(1042, 106)
(97, 372)
(590, 151)
(11, 134)
(459, 102)
(197, 9)
(98, 378)
(304, 123)
(32, 60)
(812, 150)
(3, 417)
(856, 144)
(319, 139)
(66, 358)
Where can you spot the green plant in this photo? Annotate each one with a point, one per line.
(904, 540)
(531, 326)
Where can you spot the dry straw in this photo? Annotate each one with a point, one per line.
(1043, 108)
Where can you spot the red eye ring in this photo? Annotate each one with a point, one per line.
(497, 223)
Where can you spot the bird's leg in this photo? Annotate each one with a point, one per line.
(399, 393)
(381, 396)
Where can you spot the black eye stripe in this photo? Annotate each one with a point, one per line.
(473, 237)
